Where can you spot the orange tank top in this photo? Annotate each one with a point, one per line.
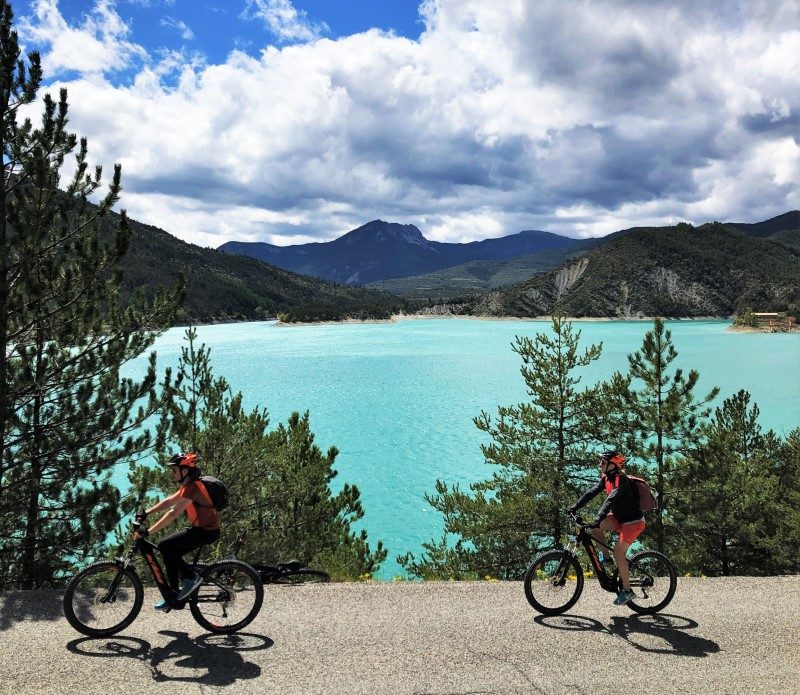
(201, 511)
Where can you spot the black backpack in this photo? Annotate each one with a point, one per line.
(216, 491)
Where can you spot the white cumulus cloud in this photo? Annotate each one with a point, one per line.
(284, 20)
(98, 44)
(530, 114)
(180, 26)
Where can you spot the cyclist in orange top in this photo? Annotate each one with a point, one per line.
(192, 498)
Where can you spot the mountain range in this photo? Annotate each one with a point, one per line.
(710, 270)
(381, 250)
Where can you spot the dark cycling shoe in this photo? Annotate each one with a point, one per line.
(188, 586)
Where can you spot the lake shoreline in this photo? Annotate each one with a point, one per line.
(397, 318)
(752, 329)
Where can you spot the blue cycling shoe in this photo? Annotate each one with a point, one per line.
(623, 597)
(163, 605)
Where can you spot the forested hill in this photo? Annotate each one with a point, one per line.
(224, 287)
(711, 270)
(381, 250)
(788, 221)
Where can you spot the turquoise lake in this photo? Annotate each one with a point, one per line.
(397, 399)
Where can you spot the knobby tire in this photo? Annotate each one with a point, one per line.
(82, 581)
(304, 575)
(539, 575)
(218, 569)
(670, 575)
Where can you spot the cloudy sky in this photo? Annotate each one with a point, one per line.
(297, 120)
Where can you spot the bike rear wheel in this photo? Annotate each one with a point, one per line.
(653, 580)
(554, 582)
(103, 599)
(229, 598)
(304, 575)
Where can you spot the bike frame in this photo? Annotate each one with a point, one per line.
(609, 582)
(147, 549)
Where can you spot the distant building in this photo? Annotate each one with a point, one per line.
(774, 321)
(766, 317)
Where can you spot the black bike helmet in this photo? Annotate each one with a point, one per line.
(613, 456)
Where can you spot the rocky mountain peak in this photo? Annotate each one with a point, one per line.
(381, 231)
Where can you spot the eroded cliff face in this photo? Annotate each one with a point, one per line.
(566, 277)
(687, 293)
(445, 310)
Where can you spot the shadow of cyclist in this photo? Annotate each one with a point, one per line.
(206, 660)
(656, 634)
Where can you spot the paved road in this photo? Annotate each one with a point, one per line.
(738, 635)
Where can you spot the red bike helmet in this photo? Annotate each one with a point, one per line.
(186, 460)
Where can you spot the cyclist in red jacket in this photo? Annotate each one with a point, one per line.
(192, 498)
(620, 513)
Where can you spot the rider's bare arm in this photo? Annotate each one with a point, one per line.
(178, 504)
(166, 503)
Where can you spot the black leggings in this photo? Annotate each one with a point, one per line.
(174, 547)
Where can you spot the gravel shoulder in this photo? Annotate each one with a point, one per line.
(725, 635)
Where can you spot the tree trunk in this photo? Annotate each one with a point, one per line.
(28, 560)
(661, 495)
(726, 570)
(29, 579)
(4, 394)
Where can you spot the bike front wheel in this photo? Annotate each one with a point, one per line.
(229, 598)
(554, 582)
(653, 580)
(103, 599)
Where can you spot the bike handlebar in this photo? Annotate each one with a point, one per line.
(576, 519)
(138, 524)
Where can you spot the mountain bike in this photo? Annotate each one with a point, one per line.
(554, 581)
(105, 597)
(291, 572)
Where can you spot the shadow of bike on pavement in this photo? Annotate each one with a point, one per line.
(206, 660)
(656, 634)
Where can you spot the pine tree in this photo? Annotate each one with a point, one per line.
(656, 410)
(279, 481)
(732, 510)
(300, 516)
(541, 450)
(66, 416)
